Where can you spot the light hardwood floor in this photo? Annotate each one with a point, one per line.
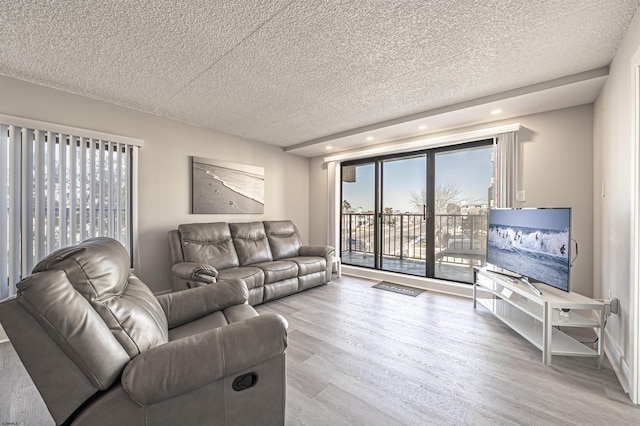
(363, 356)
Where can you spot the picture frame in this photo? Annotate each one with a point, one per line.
(220, 187)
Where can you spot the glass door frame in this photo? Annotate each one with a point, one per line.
(430, 154)
(381, 207)
(431, 197)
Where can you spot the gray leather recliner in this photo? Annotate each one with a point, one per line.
(103, 350)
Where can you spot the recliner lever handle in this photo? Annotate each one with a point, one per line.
(245, 382)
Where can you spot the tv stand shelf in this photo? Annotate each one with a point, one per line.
(537, 318)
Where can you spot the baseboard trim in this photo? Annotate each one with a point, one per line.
(618, 361)
(431, 284)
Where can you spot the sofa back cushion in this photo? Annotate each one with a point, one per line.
(284, 238)
(98, 269)
(208, 243)
(72, 323)
(250, 241)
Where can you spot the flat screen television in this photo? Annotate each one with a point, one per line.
(531, 242)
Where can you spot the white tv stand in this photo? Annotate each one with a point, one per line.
(536, 317)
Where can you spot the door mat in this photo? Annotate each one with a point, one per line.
(397, 288)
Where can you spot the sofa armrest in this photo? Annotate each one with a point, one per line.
(193, 362)
(188, 305)
(197, 272)
(322, 251)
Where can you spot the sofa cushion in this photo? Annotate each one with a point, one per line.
(284, 238)
(70, 321)
(278, 270)
(250, 241)
(311, 280)
(208, 243)
(280, 289)
(98, 269)
(230, 315)
(309, 264)
(252, 276)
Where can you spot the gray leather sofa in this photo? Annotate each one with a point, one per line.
(268, 256)
(103, 350)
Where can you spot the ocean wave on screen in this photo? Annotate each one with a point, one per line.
(549, 242)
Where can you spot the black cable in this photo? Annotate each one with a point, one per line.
(597, 338)
(576, 256)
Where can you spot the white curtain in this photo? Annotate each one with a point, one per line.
(333, 210)
(506, 169)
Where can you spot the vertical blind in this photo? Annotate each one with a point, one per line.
(58, 187)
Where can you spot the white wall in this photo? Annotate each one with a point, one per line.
(558, 172)
(164, 167)
(614, 148)
(557, 151)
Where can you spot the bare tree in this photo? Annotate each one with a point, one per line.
(417, 200)
(447, 197)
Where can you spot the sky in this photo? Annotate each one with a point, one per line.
(470, 170)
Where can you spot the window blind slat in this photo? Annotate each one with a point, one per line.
(15, 202)
(92, 201)
(50, 175)
(101, 187)
(27, 200)
(110, 192)
(40, 196)
(4, 206)
(73, 190)
(129, 160)
(118, 191)
(84, 145)
(62, 190)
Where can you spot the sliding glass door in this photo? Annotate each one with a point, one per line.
(420, 214)
(403, 226)
(463, 193)
(358, 230)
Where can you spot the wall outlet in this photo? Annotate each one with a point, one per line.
(615, 305)
(521, 196)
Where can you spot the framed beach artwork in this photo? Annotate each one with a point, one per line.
(219, 187)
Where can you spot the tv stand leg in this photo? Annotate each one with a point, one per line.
(601, 339)
(547, 330)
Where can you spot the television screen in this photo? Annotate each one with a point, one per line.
(531, 242)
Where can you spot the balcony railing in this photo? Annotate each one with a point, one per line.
(404, 235)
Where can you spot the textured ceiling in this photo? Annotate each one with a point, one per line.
(288, 72)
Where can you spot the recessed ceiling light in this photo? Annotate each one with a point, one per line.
(369, 138)
(329, 147)
(496, 111)
(422, 127)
